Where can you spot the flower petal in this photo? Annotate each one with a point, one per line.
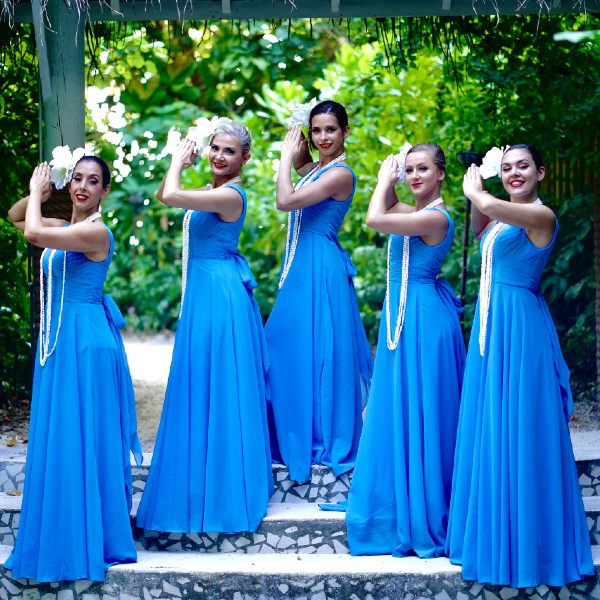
(301, 114)
(78, 154)
(401, 159)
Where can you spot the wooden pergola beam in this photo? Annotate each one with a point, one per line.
(60, 43)
(206, 10)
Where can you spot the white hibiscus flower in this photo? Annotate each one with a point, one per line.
(301, 114)
(491, 163)
(401, 159)
(62, 165)
(203, 131)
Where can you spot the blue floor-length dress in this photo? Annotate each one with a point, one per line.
(211, 468)
(400, 493)
(321, 362)
(516, 514)
(75, 519)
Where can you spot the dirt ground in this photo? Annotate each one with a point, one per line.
(149, 361)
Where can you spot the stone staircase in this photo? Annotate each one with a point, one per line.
(299, 552)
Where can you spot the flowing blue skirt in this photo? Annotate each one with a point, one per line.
(320, 361)
(400, 494)
(517, 515)
(75, 519)
(211, 468)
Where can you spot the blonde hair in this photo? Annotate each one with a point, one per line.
(229, 127)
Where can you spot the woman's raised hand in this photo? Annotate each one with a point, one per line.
(472, 181)
(389, 171)
(185, 154)
(40, 181)
(294, 145)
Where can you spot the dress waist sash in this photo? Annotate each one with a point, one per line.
(129, 437)
(240, 262)
(348, 264)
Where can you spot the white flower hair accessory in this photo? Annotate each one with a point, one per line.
(203, 131)
(492, 162)
(63, 164)
(401, 160)
(301, 114)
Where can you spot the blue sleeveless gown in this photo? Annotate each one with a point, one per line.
(321, 362)
(400, 493)
(516, 515)
(211, 467)
(77, 498)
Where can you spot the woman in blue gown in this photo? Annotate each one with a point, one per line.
(400, 494)
(320, 359)
(516, 516)
(211, 467)
(75, 512)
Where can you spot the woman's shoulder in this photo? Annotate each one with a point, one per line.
(345, 176)
(341, 168)
(238, 188)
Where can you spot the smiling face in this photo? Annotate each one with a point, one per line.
(423, 177)
(86, 188)
(226, 157)
(327, 135)
(520, 176)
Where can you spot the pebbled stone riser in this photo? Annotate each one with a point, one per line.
(280, 535)
(123, 584)
(299, 538)
(324, 486)
(589, 477)
(322, 536)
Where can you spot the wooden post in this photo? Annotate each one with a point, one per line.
(61, 60)
(61, 45)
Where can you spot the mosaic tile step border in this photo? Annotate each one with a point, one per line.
(287, 529)
(158, 576)
(588, 470)
(323, 486)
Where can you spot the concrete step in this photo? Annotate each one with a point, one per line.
(324, 486)
(159, 575)
(287, 529)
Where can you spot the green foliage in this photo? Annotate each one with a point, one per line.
(19, 149)
(569, 287)
(451, 81)
(15, 363)
(499, 82)
(199, 76)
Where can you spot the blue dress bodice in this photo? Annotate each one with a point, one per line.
(84, 281)
(211, 237)
(425, 261)
(516, 260)
(326, 217)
